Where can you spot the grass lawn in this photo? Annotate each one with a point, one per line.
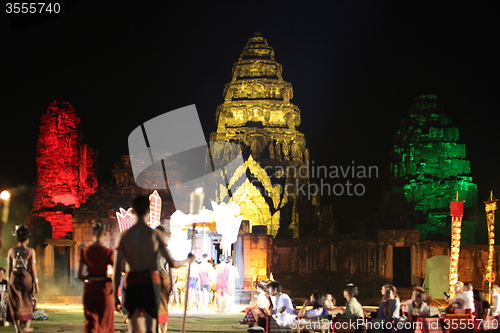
(71, 321)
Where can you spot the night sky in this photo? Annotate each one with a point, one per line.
(355, 67)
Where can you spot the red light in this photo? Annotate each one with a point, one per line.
(65, 168)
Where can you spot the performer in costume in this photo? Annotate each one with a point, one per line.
(213, 289)
(194, 286)
(139, 247)
(22, 276)
(98, 301)
(166, 288)
(220, 271)
(260, 308)
(205, 272)
(231, 275)
(180, 285)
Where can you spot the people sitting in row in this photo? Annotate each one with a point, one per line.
(318, 306)
(271, 300)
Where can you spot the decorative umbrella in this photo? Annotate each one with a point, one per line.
(228, 224)
(178, 243)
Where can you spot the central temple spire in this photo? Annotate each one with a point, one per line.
(257, 48)
(258, 115)
(258, 97)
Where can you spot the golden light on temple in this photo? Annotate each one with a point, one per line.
(490, 207)
(252, 202)
(456, 212)
(257, 113)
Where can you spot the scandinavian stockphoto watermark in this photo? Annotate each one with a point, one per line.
(334, 180)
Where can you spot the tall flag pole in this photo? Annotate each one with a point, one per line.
(194, 209)
(456, 212)
(490, 207)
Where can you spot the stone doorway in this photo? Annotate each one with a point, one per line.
(401, 267)
(60, 261)
(61, 265)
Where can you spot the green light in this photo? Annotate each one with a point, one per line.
(430, 166)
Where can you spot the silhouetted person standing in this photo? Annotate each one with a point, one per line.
(139, 247)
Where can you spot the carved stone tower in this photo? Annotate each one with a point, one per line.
(429, 166)
(66, 176)
(258, 115)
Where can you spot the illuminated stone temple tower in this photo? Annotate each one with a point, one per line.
(66, 176)
(428, 167)
(258, 115)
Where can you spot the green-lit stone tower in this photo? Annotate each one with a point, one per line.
(428, 167)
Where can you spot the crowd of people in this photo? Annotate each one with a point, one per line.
(271, 305)
(140, 279)
(142, 293)
(209, 285)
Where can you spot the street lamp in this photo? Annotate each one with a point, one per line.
(5, 195)
(4, 206)
(4, 211)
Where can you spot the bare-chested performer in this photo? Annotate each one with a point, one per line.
(139, 247)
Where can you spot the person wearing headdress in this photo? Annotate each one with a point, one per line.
(22, 277)
(98, 301)
(260, 308)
